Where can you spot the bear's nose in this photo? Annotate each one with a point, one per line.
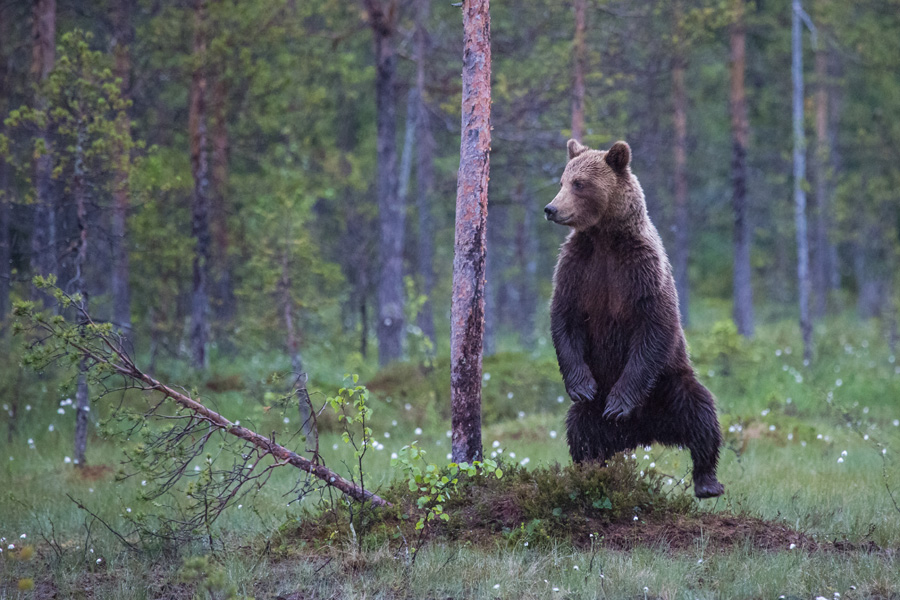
(549, 212)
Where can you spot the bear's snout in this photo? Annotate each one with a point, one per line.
(550, 212)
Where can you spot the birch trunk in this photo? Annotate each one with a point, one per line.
(743, 289)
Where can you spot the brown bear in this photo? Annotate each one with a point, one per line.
(615, 323)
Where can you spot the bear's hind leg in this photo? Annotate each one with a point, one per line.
(691, 421)
(592, 437)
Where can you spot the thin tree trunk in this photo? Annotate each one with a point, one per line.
(293, 346)
(200, 201)
(467, 310)
(43, 246)
(682, 219)
(5, 244)
(823, 251)
(527, 251)
(225, 301)
(424, 175)
(578, 60)
(79, 189)
(743, 290)
(391, 209)
(121, 291)
(800, 179)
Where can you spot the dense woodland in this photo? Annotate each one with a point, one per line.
(218, 176)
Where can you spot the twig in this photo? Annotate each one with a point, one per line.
(122, 539)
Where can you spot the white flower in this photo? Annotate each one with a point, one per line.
(653, 464)
(496, 586)
(27, 407)
(509, 395)
(407, 406)
(449, 456)
(525, 461)
(635, 518)
(496, 444)
(449, 433)
(99, 560)
(521, 414)
(144, 482)
(790, 436)
(552, 434)
(896, 422)
(840, 460)
(60, 411)
(792, 546)
(700, 561)
(128, 510)
(844, 453)
(512, 454)
(11, 547)
(67, 460)
(487, 377)
(839, 382)
(765, 412)
(771, 428)
(50, 428)
(286, 420)
(575, 567)
(196, 467)
(560, 399)
(23, 536)
(387, 434)
(418, 430)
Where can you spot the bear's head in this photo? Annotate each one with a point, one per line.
(594, 187)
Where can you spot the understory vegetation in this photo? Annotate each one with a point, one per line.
(812, 486)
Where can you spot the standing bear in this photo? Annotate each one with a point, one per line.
(616, 326)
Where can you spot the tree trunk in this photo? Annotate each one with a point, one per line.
(225, 301)
(121, 291)
(43, 241)
(743, 289)
(293, 346)
(424, 175)
(578, 59)
(80, 190)
(200, 201)
(467, 310)
(803, 282)
(682, 218)
(527, 251)
(823, 251)
(391, 210)
(5, 244)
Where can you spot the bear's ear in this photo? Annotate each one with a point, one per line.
(575, 148)
(618, 157)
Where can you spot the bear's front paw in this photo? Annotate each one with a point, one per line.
(617, 407)
(584, 391)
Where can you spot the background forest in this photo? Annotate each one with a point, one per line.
(254, 189)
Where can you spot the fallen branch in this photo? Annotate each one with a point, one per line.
(99, 345)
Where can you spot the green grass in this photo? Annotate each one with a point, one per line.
(789, 475)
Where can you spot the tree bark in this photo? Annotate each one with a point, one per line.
(79, 190)
(293, 345)
(5, 244)
(225, 301)
(391, 209)
(121, 291)
(527, 251)
(43, 242)
(199, 332)
(467, 310)
(743, 289)
(803, 282)
(822, 248)
(682, 218)
(578, 60)
(424, 174)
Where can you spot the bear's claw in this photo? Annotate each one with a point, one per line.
(583, 392)
(617, 408)
(708, 488)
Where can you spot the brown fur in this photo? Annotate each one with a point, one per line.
(615, 322)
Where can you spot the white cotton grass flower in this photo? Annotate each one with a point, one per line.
(418, 431)
(496, 444)
(525, 461)
(552, 434)
(67, 460)
(560, 399)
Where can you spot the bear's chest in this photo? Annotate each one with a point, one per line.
(603, 292)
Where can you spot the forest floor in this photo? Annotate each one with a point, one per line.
(809, 465)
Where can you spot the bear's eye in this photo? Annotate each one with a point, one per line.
(577, 184)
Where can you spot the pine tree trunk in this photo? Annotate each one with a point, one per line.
(43, 243)
(578, 59)
(391, 210)
(823, 250)
(467, 310)
(743, 289)
(225, 301)
(80, 190)
(527, 253)
(803, 282)
(682, 218)
(199, 332)
(5, 244)
(424, 175)
(121, 291)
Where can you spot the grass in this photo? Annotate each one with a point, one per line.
(787, 428)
